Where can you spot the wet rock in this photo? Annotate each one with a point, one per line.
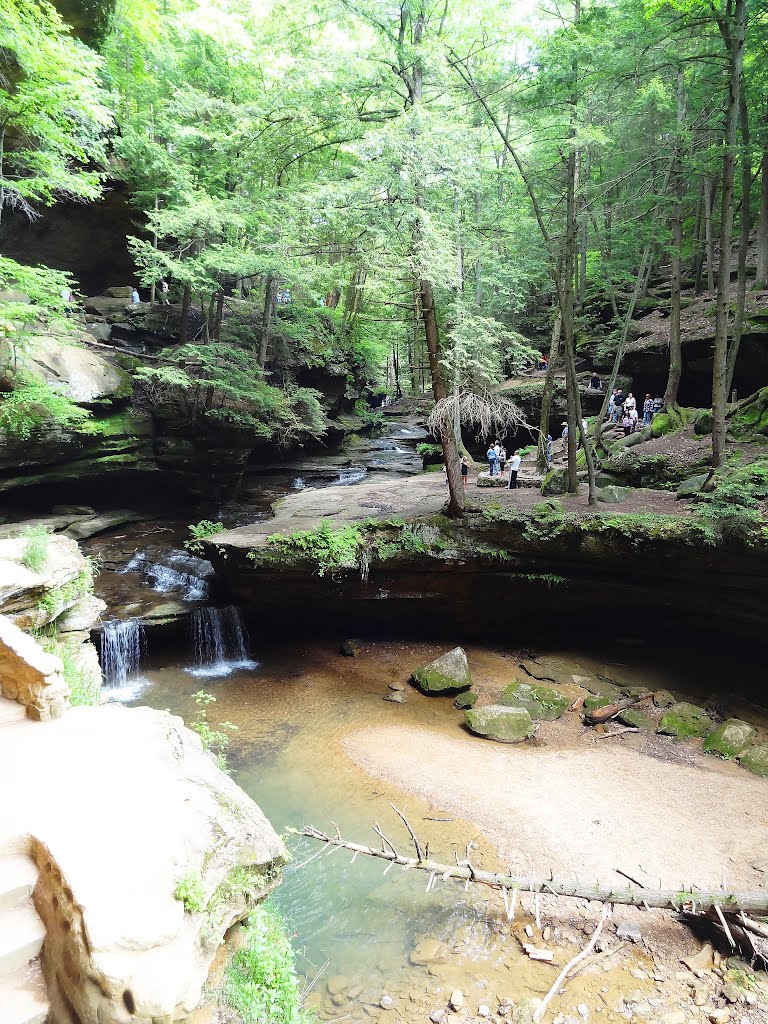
(397, 687)
(337, 984)
(351, 648)
(756, 760)
(447, 674)
(429, 951)
(730, 739)
(466, 700)
(685, 720)
(630, 931)
(386, 1002)
(701, 961)
(496, 722)
(354, 991)
(663, 699)
(395, 698)
(456, 1001)
(541, 702)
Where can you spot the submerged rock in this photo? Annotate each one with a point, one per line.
(541, 702)
(756, 760)
(685, 720)
(496, 722)
(446, 674)
(730, 739)
(429, 951)
(466, 700)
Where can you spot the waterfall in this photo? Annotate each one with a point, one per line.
(122, 645)
(221, 642)
(298, 483)
(351, 476)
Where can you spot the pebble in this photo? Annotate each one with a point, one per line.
(583, 1010)
(546, 934)
(386, 1002)
(395, 698)
(629, 930)
(529, 931)
(484, 1011)
(457, 999)
(396, 686)
(636, 972)
(437, 1016)
(643, 1010)
(720, 1016)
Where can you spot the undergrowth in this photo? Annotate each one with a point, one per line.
(33, 405)
(327, 548)
(189, 891)
(35, 555)
(213, 738)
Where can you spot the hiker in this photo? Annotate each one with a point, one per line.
(618, 405)
(492, 461)
(135, 300)
(464, 470)
(67, 295)
(594, 382)
(658, 405)
(629, 402)
(514, 466)
(502, 459)
(585, 425)
(564, 435)
(647, 410)
(627, 424)
(634, 416)
(164, 292)
(548, 450)
(612, 406)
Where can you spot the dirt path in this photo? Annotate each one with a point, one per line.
(584, 812)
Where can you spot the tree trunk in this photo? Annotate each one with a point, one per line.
(744, 229)
(761, 280)
(697, 264)
(710, 189)
(549, 391)
(184, 319)
(733, 35)
(266, 318)
(675, 344)
(219, 315)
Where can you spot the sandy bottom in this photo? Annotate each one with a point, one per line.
(583, 813)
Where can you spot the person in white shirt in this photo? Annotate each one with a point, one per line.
(630, 403)
(514, 466)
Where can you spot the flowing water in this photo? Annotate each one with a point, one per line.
(122, 645)
(220, 642)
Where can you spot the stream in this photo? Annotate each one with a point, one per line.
(293, 703)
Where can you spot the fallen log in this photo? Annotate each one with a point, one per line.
(604, 714)
(691, 900)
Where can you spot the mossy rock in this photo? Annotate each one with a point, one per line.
(596, 701)
(703, 423)
(684, 721)
(447, 674)
(730, 739)
(750, 416)
(693, 485)
(541, 702)
(756, 760)
(663, 699)
(496, 722)
(555, 482)
(466, 700)
(551, 667)
(613, 494)
(637, 719)
(486, 480)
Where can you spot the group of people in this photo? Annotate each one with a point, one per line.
(623, 409)
(283, 297)
(497, 461)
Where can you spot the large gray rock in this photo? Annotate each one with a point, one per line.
(612, 494)
(730, 739)
(693, 485)
(756, 760)
(496, 722)
(447, 674)
(79, 373)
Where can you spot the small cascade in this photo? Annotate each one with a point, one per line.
(122, 645)
(351, 476)
(221, 642)
(298, 483)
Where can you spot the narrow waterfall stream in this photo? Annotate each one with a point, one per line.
(220, 642)
(122, 645)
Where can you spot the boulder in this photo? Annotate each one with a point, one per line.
(612, 494)
(541, 702)
(486, 480)
(730, 739)
(447, 674)
(693, 485)
(429, 951)
(756, 760)
(496, 722)
(466, 700)
(596, 701)
(81, 374)
(32, 599)
(663, 699)
(555, 482)
(123, 291)
(100, 331)
(637, 719)
(685, 720)
(350, 648)
(551, 667)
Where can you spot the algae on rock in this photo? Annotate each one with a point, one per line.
(730, 739)
(447, 674)
(541, 702)
(496, 722)
(684, 721)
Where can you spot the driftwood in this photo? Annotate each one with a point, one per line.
(569, 967)
(694, 901)
(604, 714)
(736, 929)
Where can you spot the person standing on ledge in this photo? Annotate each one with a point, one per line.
(135, 300)
(514, 466)
(464, 470)
(492, 461)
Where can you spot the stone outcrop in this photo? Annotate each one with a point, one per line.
(29, 675)
(116, 806)
(79, 373)
(32, 599)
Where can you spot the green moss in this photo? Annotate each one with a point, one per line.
(730, 739)
(58, 598)
(541, 702)
(685, 721)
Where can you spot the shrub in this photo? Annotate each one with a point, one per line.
(34, 404)
(189, 890)
(200, 532)
(36, 548)
(329, 549)
(84, 688)
(261, 984)
(214, 739)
